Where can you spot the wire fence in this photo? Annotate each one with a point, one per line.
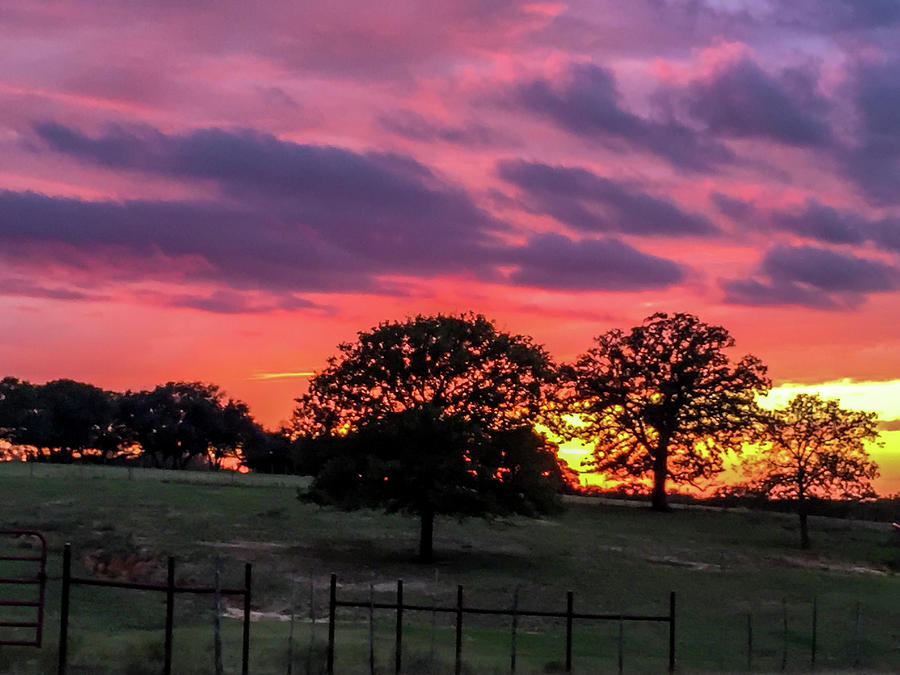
(86, 470)
(357, 626)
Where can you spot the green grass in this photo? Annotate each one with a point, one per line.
(722, 565)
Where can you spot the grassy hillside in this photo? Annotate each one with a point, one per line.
(722, 565)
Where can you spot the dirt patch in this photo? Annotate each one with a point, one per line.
(238, 613)
(245, 545)
(136, 567)
(679, 562)
(829, 566)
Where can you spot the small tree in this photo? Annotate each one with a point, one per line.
(427, 416)
(664, 401)
(813, 448)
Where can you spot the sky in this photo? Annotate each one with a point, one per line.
(224, 191)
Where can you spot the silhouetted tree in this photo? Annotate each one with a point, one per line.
(18, 403)
(231, 430)
(813, 448)
(62, 419)
(179, 422)
(271, 452)
(663, 401)
(431, 416)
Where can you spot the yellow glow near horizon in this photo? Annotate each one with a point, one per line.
(881, 397)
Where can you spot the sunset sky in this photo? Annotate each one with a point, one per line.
(223, 191)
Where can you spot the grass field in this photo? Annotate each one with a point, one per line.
(723, 566)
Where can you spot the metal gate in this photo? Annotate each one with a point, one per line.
(23, 563)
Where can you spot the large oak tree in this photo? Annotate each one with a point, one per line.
(432, 415)
(664, 401)
(813, 448)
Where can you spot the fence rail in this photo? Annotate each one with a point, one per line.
(460, 609)
(169, 588)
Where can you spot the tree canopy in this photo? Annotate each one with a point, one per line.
(60, 420)
(813, 448)
(175, 423)
(178, 422)
(433, 415)
(663, 401)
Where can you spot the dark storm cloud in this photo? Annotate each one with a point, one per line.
(384, 211)
(741, 100)
(415, 127)
(588, 202)
(587, 105)
(554, 261)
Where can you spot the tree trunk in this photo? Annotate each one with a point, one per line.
(426, 536)
(804, 528)
(658, 499)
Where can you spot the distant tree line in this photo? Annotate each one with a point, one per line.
(439, 415)
(175, 425)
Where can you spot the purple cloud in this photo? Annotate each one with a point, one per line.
(829, 270)
(823, 223)
(587, 105)
(835, 226)
(592, 203)
(33, 289)
(374, 210)
(736, 209)
(242, 248)
(873, 163)
(756, 293)
(813, 277)
(230, 302)
(555, 261)
(743, 101)
(415, 127)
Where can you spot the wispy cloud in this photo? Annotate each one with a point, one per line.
(282, 376)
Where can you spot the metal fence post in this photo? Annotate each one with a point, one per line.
(312, 624)
(812, 657)
(398, 645)
(217, 617)
(749, 641)
(332, 607)
(515, 626)
(245, 649)
(570, 602)
(170, 615)
(371, 629)
(459, 621)
(784, 640)
(64, 610)
(672, 632)
(621, 646)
